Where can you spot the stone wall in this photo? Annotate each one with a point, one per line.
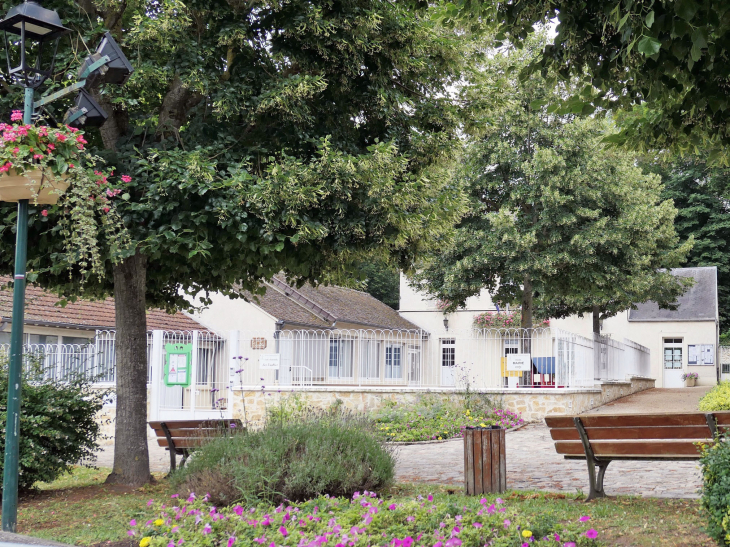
(533, 404)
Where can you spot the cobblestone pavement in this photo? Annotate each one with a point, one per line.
(533, 464)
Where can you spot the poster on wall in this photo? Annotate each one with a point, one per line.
(701, 354)
(708, 354)
(692, 354)
(177, 364)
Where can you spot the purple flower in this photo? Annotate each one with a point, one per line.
(507, 523)
(591, 534)
(206, 529)
(453, 542)
(283, 531)
(232, 426)
(133, 522)
(392, 506)
(477, 525)
(262, 379)
(584, 518)
(231, 541)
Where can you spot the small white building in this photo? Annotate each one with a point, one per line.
(679, 341)
(682, 340)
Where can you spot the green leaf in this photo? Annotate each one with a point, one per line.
(536, 104)
(699, 38)
(649, 46)
(623, 20)
(686, 9)
(126, 196)
(649, 20)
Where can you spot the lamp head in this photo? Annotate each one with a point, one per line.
(115, 71)
(86, 111)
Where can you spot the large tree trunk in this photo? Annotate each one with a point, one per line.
(596, 320)
(131, 457)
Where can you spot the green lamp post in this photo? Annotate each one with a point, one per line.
(32, 34)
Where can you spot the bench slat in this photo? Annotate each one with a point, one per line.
(637, 433)
(193, 424)
(629, 448)
(629, 420)
(212, 432)
(186, 442)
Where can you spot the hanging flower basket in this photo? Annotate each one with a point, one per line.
(50, 166)
(33, 185)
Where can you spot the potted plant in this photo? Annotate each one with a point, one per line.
(690, 378)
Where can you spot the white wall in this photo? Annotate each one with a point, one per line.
(652, 334)
(417, 307)
(226, 314)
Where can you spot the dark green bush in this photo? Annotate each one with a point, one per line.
(57, 426)
(716, 489)
(315, 454)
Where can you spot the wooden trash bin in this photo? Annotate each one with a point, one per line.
(485, 463)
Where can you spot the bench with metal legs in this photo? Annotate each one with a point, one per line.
(600, 439)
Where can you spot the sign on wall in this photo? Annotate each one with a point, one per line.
(178, 359)
(701, 354)
(269, 361)
(519, 362)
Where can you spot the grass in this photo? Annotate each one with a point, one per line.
(80, 509)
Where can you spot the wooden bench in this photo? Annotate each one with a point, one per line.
(600, 439)
(181, 437)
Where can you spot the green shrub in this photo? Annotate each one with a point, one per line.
(715, 501)
(718, 398)
(318, 453)
(431, 418)
(57, 426)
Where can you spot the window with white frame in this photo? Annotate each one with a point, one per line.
(672, 353)
(448, 352)
(340, 358)
(393, 367)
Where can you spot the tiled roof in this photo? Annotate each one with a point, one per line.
(41, 309)
(699, 303)
(322, 306)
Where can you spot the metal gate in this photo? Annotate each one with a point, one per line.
(208, 394)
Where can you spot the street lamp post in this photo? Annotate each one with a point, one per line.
(28, 27)
(32, 33)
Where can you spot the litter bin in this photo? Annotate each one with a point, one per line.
(485, 463)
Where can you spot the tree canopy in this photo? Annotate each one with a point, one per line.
(555, 215)
(663, 62)
(260, 137)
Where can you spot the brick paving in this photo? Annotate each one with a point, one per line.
(532, 464)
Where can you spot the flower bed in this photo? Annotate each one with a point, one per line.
(439, 422)
(365, 520)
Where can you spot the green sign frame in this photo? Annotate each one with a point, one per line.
(178, 361)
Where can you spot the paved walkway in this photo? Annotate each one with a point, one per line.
(684, 399)
(533, 464)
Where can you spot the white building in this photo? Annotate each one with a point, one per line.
(683, 340)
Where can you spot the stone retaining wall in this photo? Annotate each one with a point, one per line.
(533, 404)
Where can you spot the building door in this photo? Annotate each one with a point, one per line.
(448, 361)
(672, 362)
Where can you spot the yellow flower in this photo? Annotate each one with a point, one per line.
(387, 428)
(468, 411)
(439, 438)
(159, 522)
(526, 533)
(482, 424)
(145, 541)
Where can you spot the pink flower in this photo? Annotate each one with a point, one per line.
(231, 541)
(591, 534)
(569, 544)
(283, 531)
(44, 212)
(584, 518)
(132, 522)
(126, 178)
(51, 146)
(149, 503)
(207, 529)
(16, 150)
(430, 497)
(453, 542)
(507, 523)
(16, 116)
(81, 139)
(60, 137)
(106, 209)
(392, 506)
(37, 156)
(477, 525)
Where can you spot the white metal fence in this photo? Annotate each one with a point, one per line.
(483, 358)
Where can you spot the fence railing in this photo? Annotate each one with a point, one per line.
(481, 358)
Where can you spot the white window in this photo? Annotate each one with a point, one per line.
(448, 352)
(370, 358)
(393, 361)
(672, 353)
(340, 361)
(511, 346)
